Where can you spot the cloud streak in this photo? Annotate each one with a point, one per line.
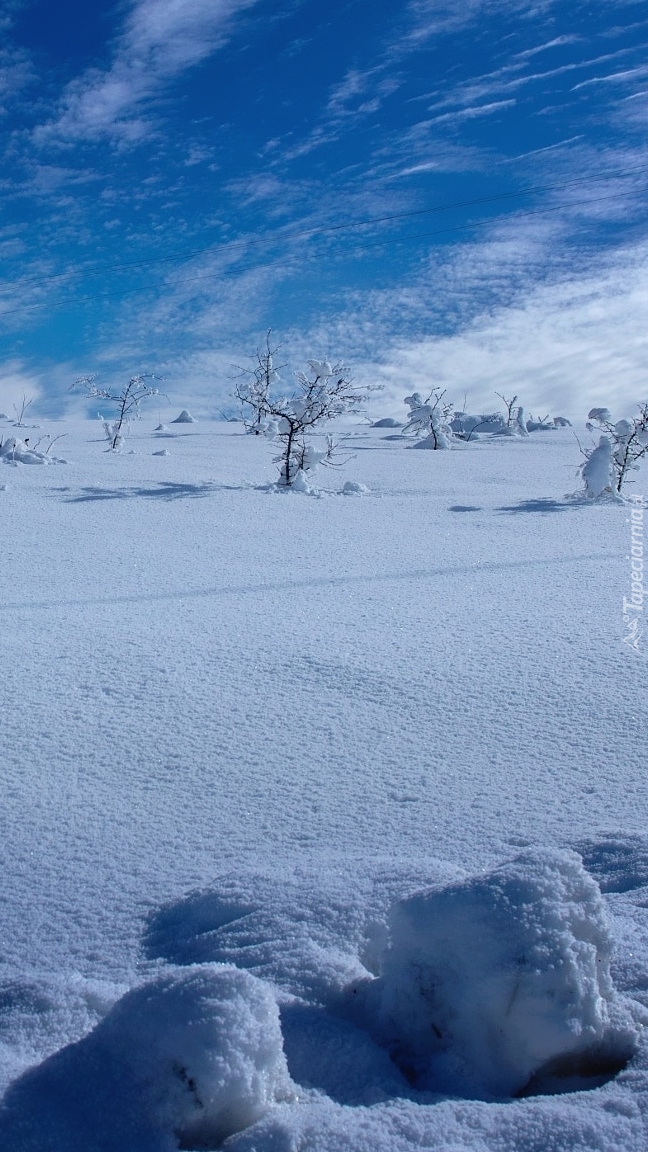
(160, 40)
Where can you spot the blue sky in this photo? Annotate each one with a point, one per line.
(435, 191)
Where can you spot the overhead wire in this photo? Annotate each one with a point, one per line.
(228, 246)
(382, 242)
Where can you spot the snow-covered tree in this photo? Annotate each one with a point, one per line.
(624, 444)
(432, 416)
(321, 394)
(257, 386)
(128, 402)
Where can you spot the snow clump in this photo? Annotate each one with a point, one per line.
(597, 471)
(184, 1061)
(494, 981)
(15, 451)
(184, 418)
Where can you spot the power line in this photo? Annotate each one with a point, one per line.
(275, 263)
(233, 245)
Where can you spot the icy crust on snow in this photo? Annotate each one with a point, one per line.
(489, 982)
(182, 1062)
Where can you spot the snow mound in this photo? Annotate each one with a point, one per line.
(184, 418)
(354, 488)
(387, 422)
(464, 424)
(182, 1062)
(436, 441)
(15, 451)
(498, 985)
(162, 452)
(300, 484)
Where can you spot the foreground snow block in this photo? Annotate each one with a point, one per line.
(182, 1062)
(491, 982)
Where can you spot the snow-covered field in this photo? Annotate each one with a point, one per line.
(347, 744)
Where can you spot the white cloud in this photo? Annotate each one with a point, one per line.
(431, 17)
(563, 347)
(160, 40)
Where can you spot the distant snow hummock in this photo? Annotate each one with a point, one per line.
(184, 418)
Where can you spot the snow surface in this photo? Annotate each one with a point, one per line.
(296, 737)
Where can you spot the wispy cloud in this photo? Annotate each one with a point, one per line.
(557, 42)
(630, 74)
(160, 40)
(563, 347)
(540, 151)
(472, 112)
(429, 18)
(16, 69)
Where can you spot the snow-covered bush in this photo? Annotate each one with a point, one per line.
(128, 402)
(432, 416)
(511, 411)
(489, 983)
(543, 424)
(628, 444)
(184, 1061)
(321, 394)
(516, 425)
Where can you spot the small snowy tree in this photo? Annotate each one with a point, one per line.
(257, 386)
(627, 444)
(432, 416)
(128, 402)
(321, 394)
(20, 410)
